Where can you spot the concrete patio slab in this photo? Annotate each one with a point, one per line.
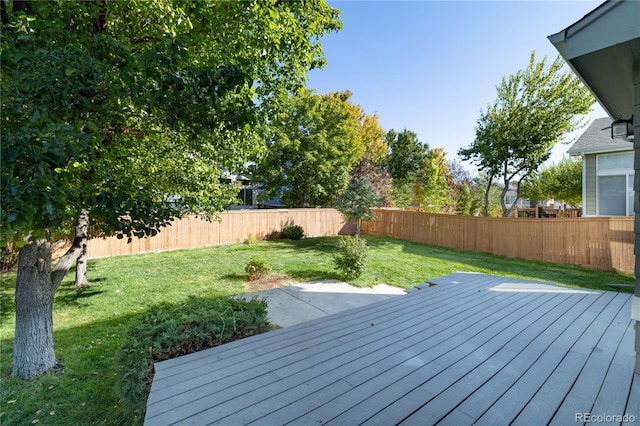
(299, 303)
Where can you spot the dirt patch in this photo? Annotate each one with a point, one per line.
(269, 282)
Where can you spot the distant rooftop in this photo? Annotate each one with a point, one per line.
(597, 139)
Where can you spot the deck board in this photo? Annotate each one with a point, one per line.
(472, 348)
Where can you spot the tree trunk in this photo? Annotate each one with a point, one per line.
(36, 287)
(485, 208)
(81, 268)
(82, 233)
(33, 345)
(503, 204)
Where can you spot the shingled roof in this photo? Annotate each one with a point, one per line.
(597, 139)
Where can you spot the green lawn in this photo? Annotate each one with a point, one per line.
(89, 324)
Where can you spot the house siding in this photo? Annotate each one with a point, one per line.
(589, 204)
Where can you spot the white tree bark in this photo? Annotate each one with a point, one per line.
(82, 232)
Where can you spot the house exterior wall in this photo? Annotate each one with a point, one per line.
(589, 203)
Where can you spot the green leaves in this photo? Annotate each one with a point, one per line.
(562, 181)
(131, 109)
(358, 199)
(313, 150)
(535, 107)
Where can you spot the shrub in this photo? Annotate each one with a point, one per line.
(351, 256)
(257, 267)
(169, 330)
(251, 239)
(294, 232)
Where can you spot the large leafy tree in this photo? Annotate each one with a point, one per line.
(312, 151)
(405, 158)
(561, 181)
(535, 107)
(124, 112)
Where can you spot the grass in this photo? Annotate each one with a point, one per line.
(89, 324)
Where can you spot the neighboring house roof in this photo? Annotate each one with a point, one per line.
(597, 139)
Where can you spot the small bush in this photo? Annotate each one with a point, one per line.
(351, 257)
(294, 232)
(168, 331)
(257, 267)
(251, 239)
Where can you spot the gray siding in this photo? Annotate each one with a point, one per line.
(589, 204)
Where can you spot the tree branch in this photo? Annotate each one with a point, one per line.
(75, 251)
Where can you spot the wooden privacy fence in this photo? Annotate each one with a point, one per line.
(604, 243)
(596, 242)
(234, 227)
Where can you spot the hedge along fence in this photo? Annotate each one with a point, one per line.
(234, 227)
(604, 243)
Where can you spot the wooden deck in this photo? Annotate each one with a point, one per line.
(472, 349)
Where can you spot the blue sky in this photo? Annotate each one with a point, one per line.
(432, 66)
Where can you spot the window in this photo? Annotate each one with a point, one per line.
(614, 187)
(246, 196)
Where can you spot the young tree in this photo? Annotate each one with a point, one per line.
(357, 200)
(534, 108)
(463, 199)
(126, 111)
(309, 158)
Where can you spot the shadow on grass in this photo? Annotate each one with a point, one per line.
(85, 392)
(319, 244)
(315, 274)
(569, 275)
(89, 373)
(71, 296)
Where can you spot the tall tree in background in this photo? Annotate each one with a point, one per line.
(405, 158)
(127, 111)
(311, 153)
(433, 186)
(534, 109)
(462, 184)
(372, 166)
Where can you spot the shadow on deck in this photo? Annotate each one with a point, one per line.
(473, 348)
